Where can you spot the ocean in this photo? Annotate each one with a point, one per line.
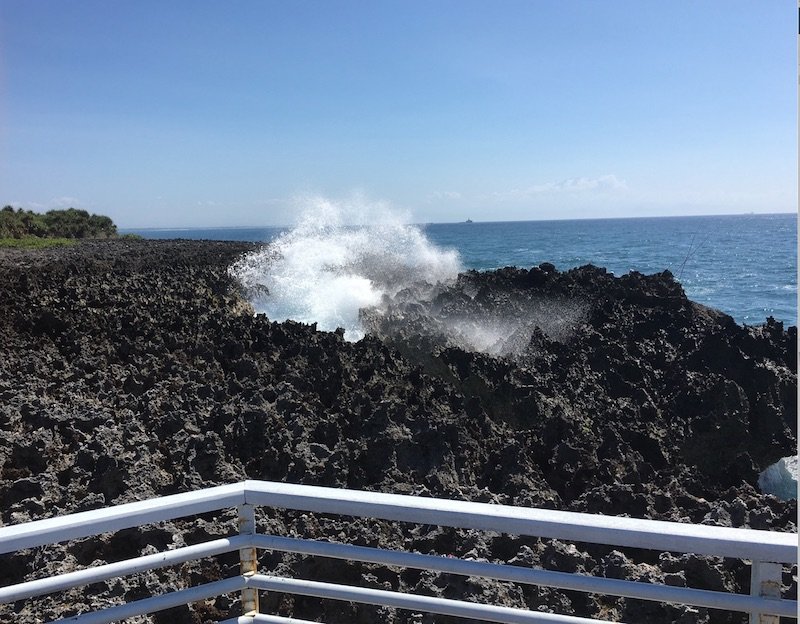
(744, 265)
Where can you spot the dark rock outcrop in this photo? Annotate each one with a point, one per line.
(133, 369)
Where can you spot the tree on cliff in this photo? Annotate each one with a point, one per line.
(70, 223)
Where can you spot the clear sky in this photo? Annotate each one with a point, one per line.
(218, 113)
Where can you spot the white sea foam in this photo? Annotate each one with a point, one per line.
(324, 270)
(780, 478)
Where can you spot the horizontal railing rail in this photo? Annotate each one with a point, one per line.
(767, 550)
(126, 516)
(98, 574)
(518, 574)
(564, 525)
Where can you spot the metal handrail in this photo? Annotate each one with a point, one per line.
(88, 523)
(564, 525)
(765, 548)
(518, 574)
(98, 574)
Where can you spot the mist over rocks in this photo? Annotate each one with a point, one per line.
(133, 369)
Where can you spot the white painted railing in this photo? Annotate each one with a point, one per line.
(765, 549)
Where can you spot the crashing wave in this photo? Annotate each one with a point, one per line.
(324, 271)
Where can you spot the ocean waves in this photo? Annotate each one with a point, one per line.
(325, 270)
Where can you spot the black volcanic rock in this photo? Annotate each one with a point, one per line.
(134, 369)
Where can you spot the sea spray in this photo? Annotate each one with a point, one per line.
(385, 277)
(780, 479)
(507, 331)
(324, 270)
(447, 316)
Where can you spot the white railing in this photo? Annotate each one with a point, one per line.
(765, 549)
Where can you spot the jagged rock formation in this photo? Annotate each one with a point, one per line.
(135, 368)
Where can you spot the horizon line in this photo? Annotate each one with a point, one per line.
(466, 222)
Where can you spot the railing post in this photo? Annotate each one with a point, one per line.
(248, 558)
(765, 580)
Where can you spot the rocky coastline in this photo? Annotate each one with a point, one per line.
(134, 368)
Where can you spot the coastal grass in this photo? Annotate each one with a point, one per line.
(34, 242)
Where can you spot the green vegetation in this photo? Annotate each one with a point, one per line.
(34, 242)
(65, 224)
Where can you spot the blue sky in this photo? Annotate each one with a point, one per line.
(184, 114)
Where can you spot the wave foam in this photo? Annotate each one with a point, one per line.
(324, 271)
(780, 479)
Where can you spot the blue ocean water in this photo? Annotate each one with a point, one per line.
(744, 265)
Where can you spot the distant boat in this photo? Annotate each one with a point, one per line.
(468, 221)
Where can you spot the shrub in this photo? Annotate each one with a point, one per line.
(70, 223)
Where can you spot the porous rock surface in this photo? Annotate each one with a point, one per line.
(132, 369)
